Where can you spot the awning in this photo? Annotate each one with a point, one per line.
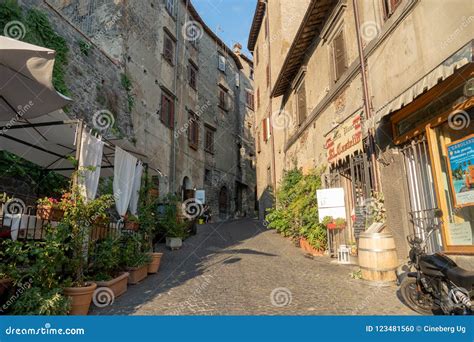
(26, 88)
(50, 142)
(440, 73)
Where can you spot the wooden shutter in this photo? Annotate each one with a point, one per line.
(268, 75)
(222, 98)
(164, 109)
(301, 98)
(171, 113)
(259, 147)
(339, 55)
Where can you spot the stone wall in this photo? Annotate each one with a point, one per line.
(110, 39)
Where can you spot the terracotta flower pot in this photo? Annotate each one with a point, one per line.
(47, 212)
(137, 274)
(81, 298)
(154, 265)
(304, 244)
(117, 285)
(132, 225)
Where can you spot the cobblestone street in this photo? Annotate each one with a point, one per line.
(233, 268)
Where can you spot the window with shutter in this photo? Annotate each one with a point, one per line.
(301, 102)
(390, 6)
(266, 129)
(256, 56)
(222, 63)
(339, 55)
(168, 49)
(192, 76)
(167, 111)
(250, 103)
(259, 147)
(268, 75)
(193, 131)
(170, 6)
(209, 142)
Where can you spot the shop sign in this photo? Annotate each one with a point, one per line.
(345, 140)
(200, 196)
(331, 203)
(461, 170)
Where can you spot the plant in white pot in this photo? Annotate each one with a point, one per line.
(175, 230)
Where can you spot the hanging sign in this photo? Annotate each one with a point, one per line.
(461, 170)
(345, 139)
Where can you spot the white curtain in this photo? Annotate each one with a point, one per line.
(137, 181)
(90, 156)
(124, 172)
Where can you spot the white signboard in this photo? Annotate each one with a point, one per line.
(200, 196)
(461, 233)
(331, 203)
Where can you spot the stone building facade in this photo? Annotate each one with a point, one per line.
(170, 86)
(360, 91)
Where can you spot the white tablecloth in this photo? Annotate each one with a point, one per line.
(26, 225)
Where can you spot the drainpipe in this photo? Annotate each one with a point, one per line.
(367, 101)
(176, 110)
(272, 136)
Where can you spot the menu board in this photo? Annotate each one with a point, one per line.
(461, 170)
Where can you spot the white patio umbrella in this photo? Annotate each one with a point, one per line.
(26, 87)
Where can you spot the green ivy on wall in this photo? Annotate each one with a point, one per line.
(38, 31)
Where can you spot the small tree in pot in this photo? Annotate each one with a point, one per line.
(74, 230)
(134, 258)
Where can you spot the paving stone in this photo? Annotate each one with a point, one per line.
(233, 267)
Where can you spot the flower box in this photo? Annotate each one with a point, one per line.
(131, 225)
(49, 213)
(117, 285)
(137, 274)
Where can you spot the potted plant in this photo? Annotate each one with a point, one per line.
(340, 223)
(149, 226)
(104, 267)
(34, 270)
(49, 208)
(134, 259)
(131, 222)
(75, 228)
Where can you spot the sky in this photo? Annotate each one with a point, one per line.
(229, 19)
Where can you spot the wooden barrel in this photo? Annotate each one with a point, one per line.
(377, 257)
